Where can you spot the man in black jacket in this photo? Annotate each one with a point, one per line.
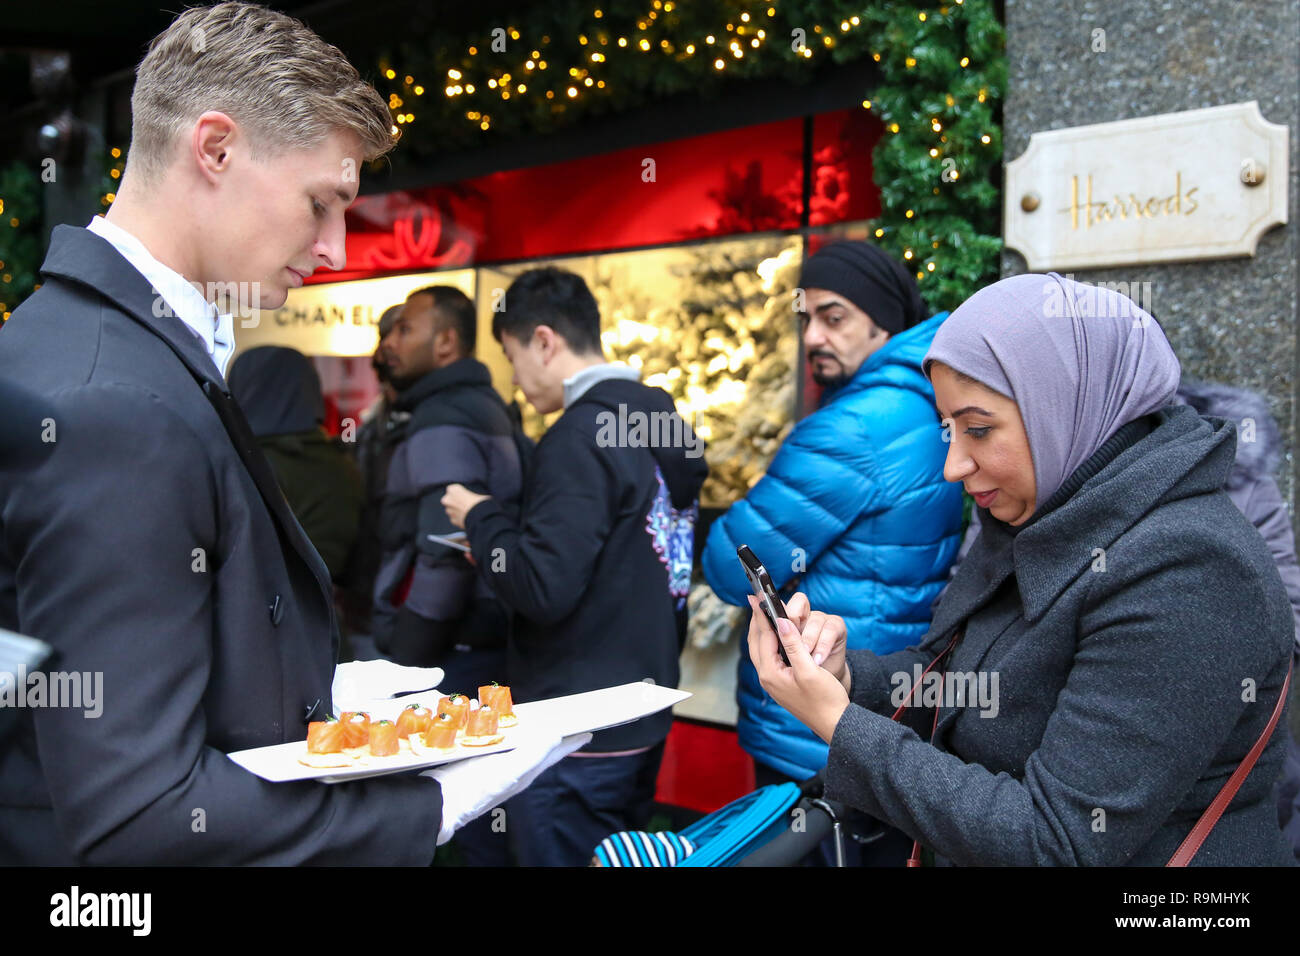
(432, 608)
(599, 570)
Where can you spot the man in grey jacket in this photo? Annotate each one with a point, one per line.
(432, 607)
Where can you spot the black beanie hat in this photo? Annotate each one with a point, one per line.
(871, 279)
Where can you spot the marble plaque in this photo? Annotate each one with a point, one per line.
(1202, 184)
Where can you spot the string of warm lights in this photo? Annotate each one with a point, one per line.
(114, 164)
(942, 67)
(20, 239)
(600, 42)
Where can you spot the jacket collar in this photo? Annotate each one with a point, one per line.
(1182, 455)
(80, 256)
(184, 301)
(1260, 449)
(577, 384)
(978, 578)
(466, 371)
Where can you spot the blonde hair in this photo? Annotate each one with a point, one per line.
(281, 82)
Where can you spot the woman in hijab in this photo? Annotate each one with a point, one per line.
(1116, 642)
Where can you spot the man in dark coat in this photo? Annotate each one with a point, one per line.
(598, 567)
(152, 547)
(432, 607)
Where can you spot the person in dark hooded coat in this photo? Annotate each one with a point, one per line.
(279, 390)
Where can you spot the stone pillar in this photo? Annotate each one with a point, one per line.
(1230, 320)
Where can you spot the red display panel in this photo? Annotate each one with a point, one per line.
(728, 183)
(843, 189)
(703, 768)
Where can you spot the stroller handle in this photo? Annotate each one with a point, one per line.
(793, 844)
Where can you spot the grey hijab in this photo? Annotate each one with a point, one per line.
(1081, 361)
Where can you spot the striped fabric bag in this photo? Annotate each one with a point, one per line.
(723, 838)
(638, 848)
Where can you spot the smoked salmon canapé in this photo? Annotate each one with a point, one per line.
(441, 735)
(415, 719)
(327, 746)
(497, 696)
(457, 705)
(356, 728)
(482, 723)
(325, 737)
(482, 729)
(383, 739)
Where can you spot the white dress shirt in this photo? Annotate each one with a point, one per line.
(179, 298)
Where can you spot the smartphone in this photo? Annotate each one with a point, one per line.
(454, 539)
(768, 599)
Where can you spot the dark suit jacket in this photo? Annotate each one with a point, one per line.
(153, 546)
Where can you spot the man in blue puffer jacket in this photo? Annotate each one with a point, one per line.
(853, 510)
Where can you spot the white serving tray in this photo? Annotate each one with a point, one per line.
(562, 716)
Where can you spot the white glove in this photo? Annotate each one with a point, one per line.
(473, 786)
(357, 684)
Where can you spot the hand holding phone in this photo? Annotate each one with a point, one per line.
(768, 600)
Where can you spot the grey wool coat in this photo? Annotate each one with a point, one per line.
(1139, 634)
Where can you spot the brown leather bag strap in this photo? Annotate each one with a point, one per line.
(938, 657)
(1183, 855)
(915, 858)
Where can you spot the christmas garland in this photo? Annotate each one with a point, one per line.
(21, 216)
(942, 67)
